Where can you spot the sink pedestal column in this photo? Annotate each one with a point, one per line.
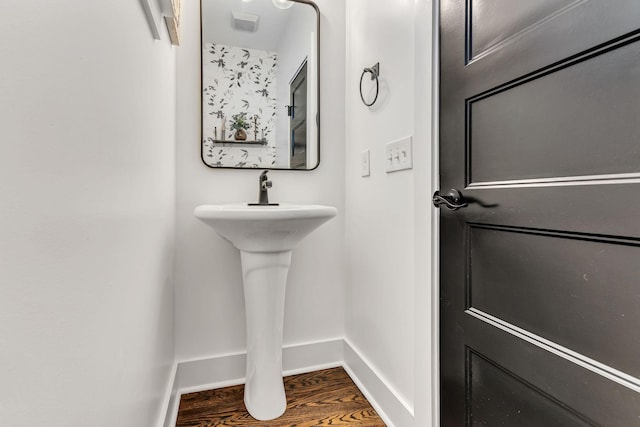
(265, 278)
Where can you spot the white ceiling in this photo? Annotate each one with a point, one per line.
(216, 23)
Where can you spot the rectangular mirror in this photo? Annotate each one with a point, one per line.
(260, 84)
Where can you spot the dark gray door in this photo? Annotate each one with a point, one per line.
(540, 274)
(298, 119)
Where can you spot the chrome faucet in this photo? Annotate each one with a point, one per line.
(263, 195)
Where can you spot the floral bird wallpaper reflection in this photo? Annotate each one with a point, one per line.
(238, 80)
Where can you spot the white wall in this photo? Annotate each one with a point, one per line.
(86, 224)
(87, 112)
(209, 296)
(388, 215)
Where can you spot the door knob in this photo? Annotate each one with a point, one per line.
(452, 199)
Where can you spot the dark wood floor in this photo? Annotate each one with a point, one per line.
(322, 398)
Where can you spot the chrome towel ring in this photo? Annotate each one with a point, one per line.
(375, 72)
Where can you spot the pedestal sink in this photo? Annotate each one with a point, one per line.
(265, 236)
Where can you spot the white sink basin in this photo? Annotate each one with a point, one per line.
(264, 228)
(265, 236)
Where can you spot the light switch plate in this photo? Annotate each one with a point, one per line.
(398, 155)
(365, 165)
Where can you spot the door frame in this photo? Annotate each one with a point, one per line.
(427, 219)
(426, 180)
(435, 218)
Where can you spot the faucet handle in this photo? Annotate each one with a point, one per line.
(266, 184)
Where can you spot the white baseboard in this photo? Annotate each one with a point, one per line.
(392, 408)
(229, 369)
(226, 370)
(169, 394)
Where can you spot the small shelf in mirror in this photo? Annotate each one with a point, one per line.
(235, 142)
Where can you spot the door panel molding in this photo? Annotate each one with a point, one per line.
(501, 39)
(490, 134)
(525, 268)
(484, 376)
(590, 237)
(615, 178)
(592, 365)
